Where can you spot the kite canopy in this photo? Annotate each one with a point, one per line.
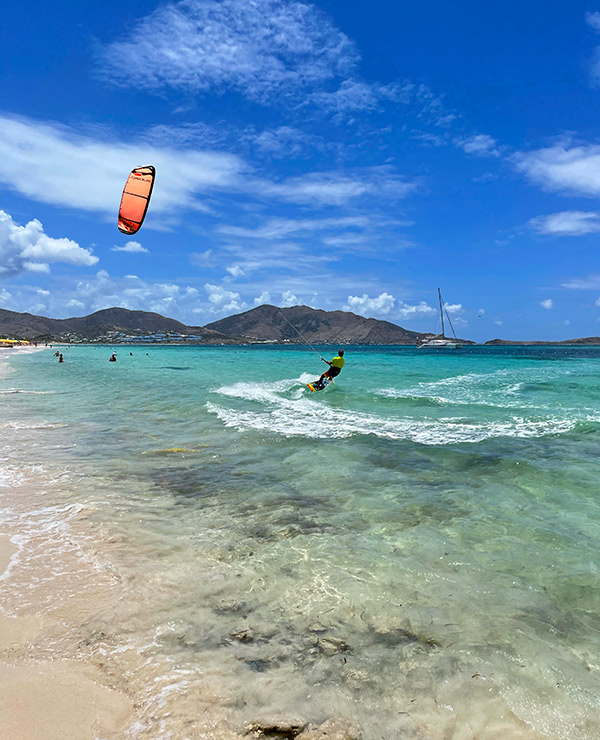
(135, 199)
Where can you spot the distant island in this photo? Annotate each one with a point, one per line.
(261, 325)
(582, 340)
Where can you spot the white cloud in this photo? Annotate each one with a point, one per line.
(567, 223)
(264, 49)
(264, 297)
(53, 164)
(498, 322)
(29, 248)
(344, 240)
(481, 145)
(574, 170)
(130, 246)
(73, 303)
(179, 301)
(592, 282)
(279, 228)
(235, 271)
(42, 267)
(195, 134)
(453, 308)
(284, 141)
(406, 311)
(104, 291)
(593, 21)
(546, 303)
(5, 296)
(202, 259)
(428, 139)
(340, 187)
(381, 305)
(223, 300)
(288, 299)
(47, 163)
(597, 302)
(387, 305)
(354, 95)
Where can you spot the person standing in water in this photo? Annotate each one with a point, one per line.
(335, 367)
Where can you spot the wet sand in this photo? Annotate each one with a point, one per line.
(54, 699)
(7, 550)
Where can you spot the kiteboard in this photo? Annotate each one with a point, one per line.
(319, 386)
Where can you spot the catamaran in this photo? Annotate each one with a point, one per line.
(442, 341)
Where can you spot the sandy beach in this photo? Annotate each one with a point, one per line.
(44, 696)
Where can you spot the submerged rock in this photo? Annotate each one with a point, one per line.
(333, 645)
(259, 665)
(276, 728)
(331, 729)
(243, 635)
(399, 636)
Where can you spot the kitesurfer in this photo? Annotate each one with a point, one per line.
(335, 367)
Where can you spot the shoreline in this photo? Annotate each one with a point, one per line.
(567, 343)
(47, 691)
(48, 697)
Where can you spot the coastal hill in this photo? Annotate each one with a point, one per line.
(97, 325)
(304, 324)
(295, 324)
(262, 324)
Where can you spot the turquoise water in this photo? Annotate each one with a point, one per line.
(413, 549)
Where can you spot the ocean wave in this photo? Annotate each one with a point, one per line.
(503, 389)
(309, 419)
(19, 424)
(9, 391)
(410, 396)
(18, 475)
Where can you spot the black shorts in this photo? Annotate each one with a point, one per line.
(333, 372)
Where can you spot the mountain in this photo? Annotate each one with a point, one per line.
(298, 324)
(109, 321)
(309, 325)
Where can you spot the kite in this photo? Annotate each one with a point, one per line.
(135, 199)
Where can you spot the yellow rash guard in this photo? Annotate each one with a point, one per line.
(338, 362)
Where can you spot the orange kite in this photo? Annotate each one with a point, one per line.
(135, 199)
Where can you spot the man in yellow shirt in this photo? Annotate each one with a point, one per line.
(335, 367)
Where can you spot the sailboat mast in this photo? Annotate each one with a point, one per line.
(441, 311)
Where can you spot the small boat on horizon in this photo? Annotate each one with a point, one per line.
(441, 341)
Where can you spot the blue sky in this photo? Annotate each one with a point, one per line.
(345, 155)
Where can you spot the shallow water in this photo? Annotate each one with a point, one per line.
(413, 549)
